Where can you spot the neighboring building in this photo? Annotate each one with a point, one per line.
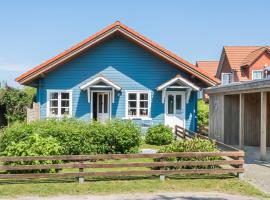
(118, 73)
(242, 63)
(239, 114)
(208, 66)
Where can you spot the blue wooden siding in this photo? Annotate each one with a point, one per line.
(124, 63)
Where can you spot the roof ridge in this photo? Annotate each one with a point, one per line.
(56, 60)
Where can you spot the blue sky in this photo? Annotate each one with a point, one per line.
(33, 31)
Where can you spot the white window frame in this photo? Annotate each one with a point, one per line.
(230, 81)
(138, 92)
(259, 70)
(59, 103)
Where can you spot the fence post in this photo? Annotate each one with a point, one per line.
(162, 178)
(81, 178)
(241, 174)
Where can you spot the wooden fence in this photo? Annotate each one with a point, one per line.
(84, 164)
(203, 130)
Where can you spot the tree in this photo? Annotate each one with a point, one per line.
(15, 101)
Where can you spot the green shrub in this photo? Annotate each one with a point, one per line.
(35, 145)
(122, 137)
(203, 111)
(159, 135)
(77, 137)
(194, 145)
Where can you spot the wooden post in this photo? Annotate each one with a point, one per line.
(263, 125)
(81, 178)
(240, 175)
(241, 120)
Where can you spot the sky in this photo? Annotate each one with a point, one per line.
(33, 31)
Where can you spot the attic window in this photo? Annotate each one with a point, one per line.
(226, 78)
(257, 74)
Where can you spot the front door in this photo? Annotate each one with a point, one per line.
(175, 109)
(103, 107)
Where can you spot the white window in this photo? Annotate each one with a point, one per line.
(226, 78)
(59, 103)
(138, 104)
(257, 74)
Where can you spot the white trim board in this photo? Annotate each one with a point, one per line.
(175, 80)
(98, 80)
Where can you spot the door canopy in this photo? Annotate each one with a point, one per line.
(178, 83)
(100, 82)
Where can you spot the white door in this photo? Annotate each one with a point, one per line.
(175, 109)
(103, 106)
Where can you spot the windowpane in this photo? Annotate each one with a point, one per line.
(64, 111)
(170, 104)
(132, 112)
(105, 103)
(226, 78)
(59, 104)
(54, 95)
(144, 104)
(143, 112)
(138, 104)
(132, 96)
(257, 75)
(64, 103)
(144, 96)
(178, 102)
(53, 111)
(132, 104)
(64, 95)
(99, 103)
(53, 103)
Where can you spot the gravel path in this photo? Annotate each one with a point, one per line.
(157, 196)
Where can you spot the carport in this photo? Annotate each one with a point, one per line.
(238, 114)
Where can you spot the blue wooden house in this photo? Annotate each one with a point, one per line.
(118, 73)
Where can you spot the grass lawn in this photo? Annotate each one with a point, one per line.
(129, 185)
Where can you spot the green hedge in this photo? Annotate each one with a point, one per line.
(35, 145)
(203, 112)
(76, 137)
(194, 145)
(159, 135)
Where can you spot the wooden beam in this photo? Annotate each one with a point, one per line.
(241, 120)
(263, 125)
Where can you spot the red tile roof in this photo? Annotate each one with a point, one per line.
(117, 26)
(208, 66)
(240, 56)
(251, 57)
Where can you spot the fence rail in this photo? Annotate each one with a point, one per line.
(83, 162)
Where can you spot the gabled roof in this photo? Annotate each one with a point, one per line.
(239, 56)
(116, 27)
(176, 79)
(98, 79)
(254, 55)
(208, 66)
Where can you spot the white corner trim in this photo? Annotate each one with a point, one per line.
(178, 78)
(97, 80)
(59, 102)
